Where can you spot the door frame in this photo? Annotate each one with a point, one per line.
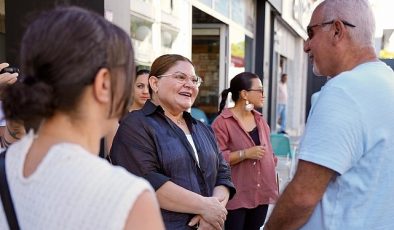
(224, 59)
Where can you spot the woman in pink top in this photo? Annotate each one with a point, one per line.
(243, 137)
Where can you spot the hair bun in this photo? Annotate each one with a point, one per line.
(29, 80)
(29, 102)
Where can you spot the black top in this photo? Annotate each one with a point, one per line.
(254, 134)
(150, 145)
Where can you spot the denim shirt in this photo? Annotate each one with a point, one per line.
(150, 145)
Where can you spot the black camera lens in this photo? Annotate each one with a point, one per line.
(9, 70)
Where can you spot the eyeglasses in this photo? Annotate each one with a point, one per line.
(310, 31)
(182, 78)
(257, 90)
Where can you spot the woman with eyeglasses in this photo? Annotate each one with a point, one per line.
(176, 153)
(244, 139)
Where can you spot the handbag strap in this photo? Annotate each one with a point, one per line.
(6, 198)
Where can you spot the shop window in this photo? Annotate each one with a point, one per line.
(206, 58)
(222, 6)
(206, 2)
(243, 13)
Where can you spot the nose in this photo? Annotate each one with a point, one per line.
(189, 83)
(146, 90)
(306, 46)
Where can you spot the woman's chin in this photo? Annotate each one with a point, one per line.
(185, 106)
(259, 106)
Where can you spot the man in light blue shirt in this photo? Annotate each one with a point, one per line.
(347, 152)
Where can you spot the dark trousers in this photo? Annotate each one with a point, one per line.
(246, 219)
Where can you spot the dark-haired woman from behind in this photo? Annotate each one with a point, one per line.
(76, 88)
(244, 139)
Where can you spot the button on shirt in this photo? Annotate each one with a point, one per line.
(150, 145)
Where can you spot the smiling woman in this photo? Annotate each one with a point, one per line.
(243, 137)
(177, 154)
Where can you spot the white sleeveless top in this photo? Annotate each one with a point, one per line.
(70, 189)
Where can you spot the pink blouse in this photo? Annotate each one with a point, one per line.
(255, 180)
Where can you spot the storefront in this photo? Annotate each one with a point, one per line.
(222, 38)
(222, 46)
(218, 36)
(285, 23)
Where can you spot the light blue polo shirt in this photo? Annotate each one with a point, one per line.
(350, 130)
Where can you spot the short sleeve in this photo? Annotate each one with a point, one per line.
(333, 135)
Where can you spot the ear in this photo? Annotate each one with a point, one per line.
(243, 94)
(153, 82)
(339, 31)
(102, 86)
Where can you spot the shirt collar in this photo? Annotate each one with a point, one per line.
(226, 113)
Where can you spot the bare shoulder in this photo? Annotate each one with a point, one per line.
(145, 206)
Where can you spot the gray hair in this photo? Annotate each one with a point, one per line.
(356, 12)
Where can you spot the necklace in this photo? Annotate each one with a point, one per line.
(180, 122)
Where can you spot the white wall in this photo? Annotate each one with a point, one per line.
(119, 11)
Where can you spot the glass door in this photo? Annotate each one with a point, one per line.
(209, 58)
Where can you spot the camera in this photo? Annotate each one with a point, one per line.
(9, 70)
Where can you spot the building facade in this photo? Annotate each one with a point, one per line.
(221, 37)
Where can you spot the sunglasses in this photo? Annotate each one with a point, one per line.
(309, 29)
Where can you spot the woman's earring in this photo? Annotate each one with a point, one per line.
(248, 107)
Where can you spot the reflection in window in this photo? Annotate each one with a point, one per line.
(243, 13)
(222, 6)
(207, 2)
